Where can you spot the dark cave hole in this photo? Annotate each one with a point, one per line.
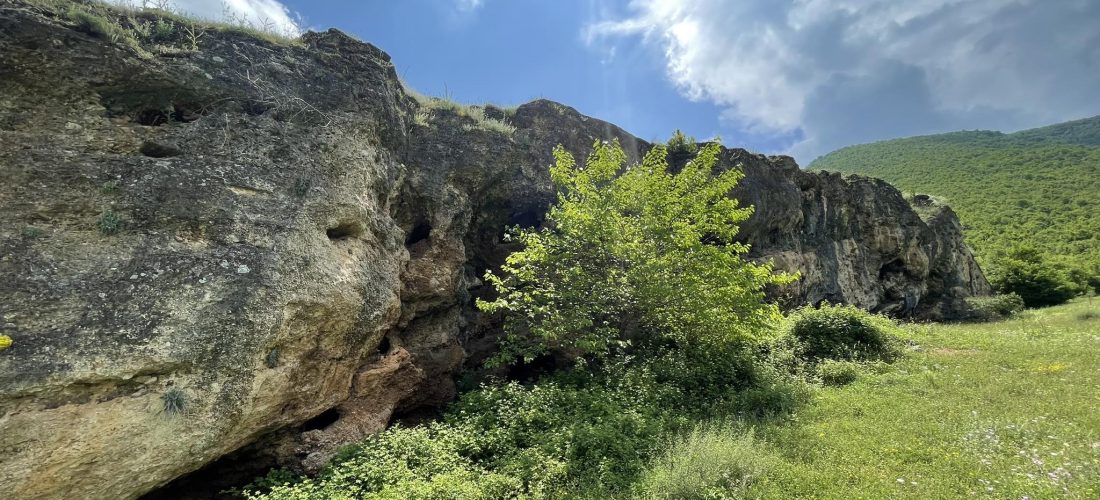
(525, 220)
(186, 113)
(384, 346)
(152, 117)
(895, 266)
(420, 232)
(320, 422)
(342, 232)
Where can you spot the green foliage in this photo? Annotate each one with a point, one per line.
(833, 372)
(993, 308)
(1041, 186)
(584, 431)
(162, 30)
(681, 145)
(1039, 283)
(717, 460)
(401, 463)
(95, 24)
(843, 332)
(109, 222)
(32, 232)
(175, 401)
(633, 252)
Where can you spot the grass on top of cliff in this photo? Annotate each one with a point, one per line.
(995, 410)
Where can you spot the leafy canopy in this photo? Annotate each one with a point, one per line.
(630, 253)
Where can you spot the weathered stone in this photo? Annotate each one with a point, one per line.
(294, 258)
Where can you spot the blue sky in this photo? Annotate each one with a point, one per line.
(800, 77)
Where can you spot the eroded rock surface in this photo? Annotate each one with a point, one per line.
(273, 239)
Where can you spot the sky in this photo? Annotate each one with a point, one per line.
(798, 77)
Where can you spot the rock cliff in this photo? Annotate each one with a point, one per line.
(204, 246)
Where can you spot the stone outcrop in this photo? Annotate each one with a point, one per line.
(204, 248)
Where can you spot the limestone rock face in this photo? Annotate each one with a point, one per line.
(199, 249)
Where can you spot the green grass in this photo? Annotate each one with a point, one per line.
(997, 410)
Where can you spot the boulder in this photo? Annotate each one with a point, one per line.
(255, 242)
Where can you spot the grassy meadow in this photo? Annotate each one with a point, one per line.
(1008, 409)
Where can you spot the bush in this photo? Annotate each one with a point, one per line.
(109, 222)
(631, 253)
(1024, 272)
(682, 146)
(843, 333)
(994, 307)
(838, 372)
(712, 461)
(415, 463)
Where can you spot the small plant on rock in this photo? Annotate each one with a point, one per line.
(109, 222)
(175, 401)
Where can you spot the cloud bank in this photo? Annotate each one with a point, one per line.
(838, 72)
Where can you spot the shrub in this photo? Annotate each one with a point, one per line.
(1036, 281)
(994, 307)
(833, 372)
(632, 253)
(175, 401)
(681, 145)
(109, 222)
(843, 332)
(717, 460)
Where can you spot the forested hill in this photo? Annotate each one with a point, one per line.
(1038, 187)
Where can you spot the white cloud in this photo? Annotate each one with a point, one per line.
(270, 15)
(845, 71)
(469, 5)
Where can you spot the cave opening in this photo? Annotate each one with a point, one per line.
(895, 266)
(384, 346)
(419, 232)
(344, 231)
(321, 421)
(525, 220)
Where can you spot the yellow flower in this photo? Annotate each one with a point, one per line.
(5, 342)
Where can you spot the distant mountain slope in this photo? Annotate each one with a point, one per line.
(1039, 186)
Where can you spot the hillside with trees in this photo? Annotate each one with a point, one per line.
(1024, 196)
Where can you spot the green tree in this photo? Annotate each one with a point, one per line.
(633, 253)
(681, 145)
(1040, 283)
